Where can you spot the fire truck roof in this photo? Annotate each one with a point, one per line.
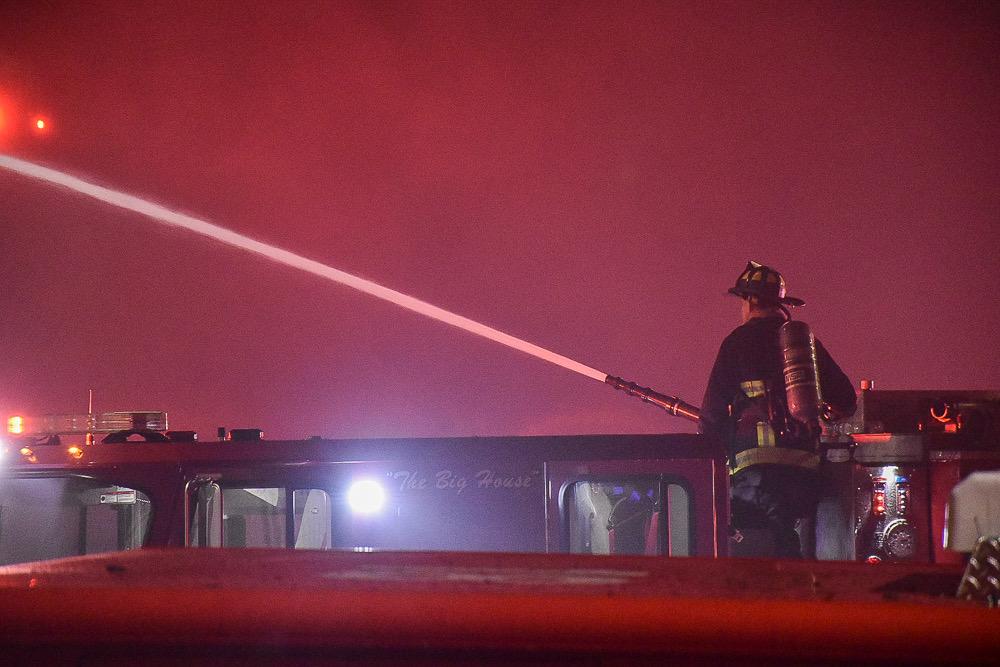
(496, 607)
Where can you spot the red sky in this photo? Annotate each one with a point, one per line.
(589, 178)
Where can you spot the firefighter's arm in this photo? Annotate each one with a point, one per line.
(720, 391)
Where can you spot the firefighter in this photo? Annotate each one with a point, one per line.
(773, 457)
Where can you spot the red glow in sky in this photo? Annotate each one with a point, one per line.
(3, 122)
(590, 179)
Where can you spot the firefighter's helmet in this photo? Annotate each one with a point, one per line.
(764, 283)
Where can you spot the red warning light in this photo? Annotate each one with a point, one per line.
(40, 123)
(878, 503)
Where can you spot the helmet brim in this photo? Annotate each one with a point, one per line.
(785, 300)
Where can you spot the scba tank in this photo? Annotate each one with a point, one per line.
(798, 349)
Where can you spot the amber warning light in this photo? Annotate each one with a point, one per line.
(15, 425)
(81, 424)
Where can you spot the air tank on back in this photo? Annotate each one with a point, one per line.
(798, 349)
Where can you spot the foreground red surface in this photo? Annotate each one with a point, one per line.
(264, 606)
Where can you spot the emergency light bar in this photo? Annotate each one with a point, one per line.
(106, 422)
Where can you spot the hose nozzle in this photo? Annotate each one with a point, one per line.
(671, 404)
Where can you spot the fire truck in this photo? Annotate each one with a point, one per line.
(121, 539)
(76, 485)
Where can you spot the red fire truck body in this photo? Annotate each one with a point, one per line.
(596, 494)
(339, 550)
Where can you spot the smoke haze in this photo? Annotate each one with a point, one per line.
(590, 179)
